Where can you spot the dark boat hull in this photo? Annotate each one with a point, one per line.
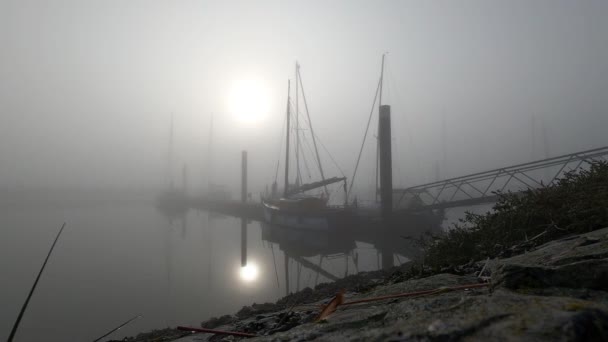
(317, 219)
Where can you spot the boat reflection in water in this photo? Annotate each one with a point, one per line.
(205, 259)
(307, 243)
(369, 248)
(299, 244)
(172, 204)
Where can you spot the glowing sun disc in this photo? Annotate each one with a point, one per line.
(248, 100)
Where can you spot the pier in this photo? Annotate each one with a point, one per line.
(415, 210)
(463, 191)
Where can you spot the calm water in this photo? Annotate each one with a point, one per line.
(119, 257)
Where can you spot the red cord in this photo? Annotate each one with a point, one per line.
(418, 293)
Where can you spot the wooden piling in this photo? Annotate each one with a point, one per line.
(243, 200)
(386, 162)
(386, 180)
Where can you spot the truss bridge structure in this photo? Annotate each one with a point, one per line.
(482, 187)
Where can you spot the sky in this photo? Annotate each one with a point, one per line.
(88, 88)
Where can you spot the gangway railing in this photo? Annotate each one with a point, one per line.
(481, 187)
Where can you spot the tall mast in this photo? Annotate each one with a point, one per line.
(444, 146)
(184, 177)
(298, 175)
(170, 156)
(210, 155)
(285, 190)
(381, 81)
(377, 144)
(312, 132)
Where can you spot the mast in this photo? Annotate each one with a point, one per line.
(298, 175)
(210, 155)
(444, 146)
(377, 143)
(312, 132)
(287, 145)
(381, 81)
(184, 177)
(170, 156)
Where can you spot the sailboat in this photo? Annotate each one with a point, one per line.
(214, 191)
(295, 208)
(172, 202)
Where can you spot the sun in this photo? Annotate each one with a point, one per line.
(249, 100)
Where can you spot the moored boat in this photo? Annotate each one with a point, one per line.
(296, 208)
(303, 213)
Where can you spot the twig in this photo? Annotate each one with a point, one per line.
(117, 328)
(29, 296)
(537, 236)
(461, 302)
(331, 306)
(480, 275)
(218, 332)
(288, 311)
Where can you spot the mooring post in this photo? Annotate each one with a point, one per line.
(386, 180)
(185, 178)
(243, 200)
(244, 176)
(386, 162)
(243, 242)
(286, 274)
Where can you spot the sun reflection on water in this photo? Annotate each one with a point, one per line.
(249, 273)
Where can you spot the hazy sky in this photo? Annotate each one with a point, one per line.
(87, 87)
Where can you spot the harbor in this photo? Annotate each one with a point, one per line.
(310, 171)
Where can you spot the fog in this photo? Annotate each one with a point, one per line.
(87, 88)
(99, 98)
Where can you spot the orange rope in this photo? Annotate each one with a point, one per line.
(366, 300)
(418, 293)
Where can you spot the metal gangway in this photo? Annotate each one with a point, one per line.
(482, 187)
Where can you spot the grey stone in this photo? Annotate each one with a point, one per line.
(556, 292)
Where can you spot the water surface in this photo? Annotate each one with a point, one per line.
(119, 257)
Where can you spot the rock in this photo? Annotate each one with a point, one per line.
(575, 262)
(556, 292)
(157, 335)
(590, 274)
(217, 321)
(592, 245)
(256, 309)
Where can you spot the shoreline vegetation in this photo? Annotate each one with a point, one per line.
(520, 227)
(576, 203)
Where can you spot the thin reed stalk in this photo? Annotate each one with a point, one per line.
(29, 296)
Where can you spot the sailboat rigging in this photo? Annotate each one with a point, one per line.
(172, 201)
(295, 208)
(377, 100)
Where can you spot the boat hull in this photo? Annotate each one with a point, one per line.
(319, 220)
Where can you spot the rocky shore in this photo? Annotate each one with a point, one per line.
(556, 291)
